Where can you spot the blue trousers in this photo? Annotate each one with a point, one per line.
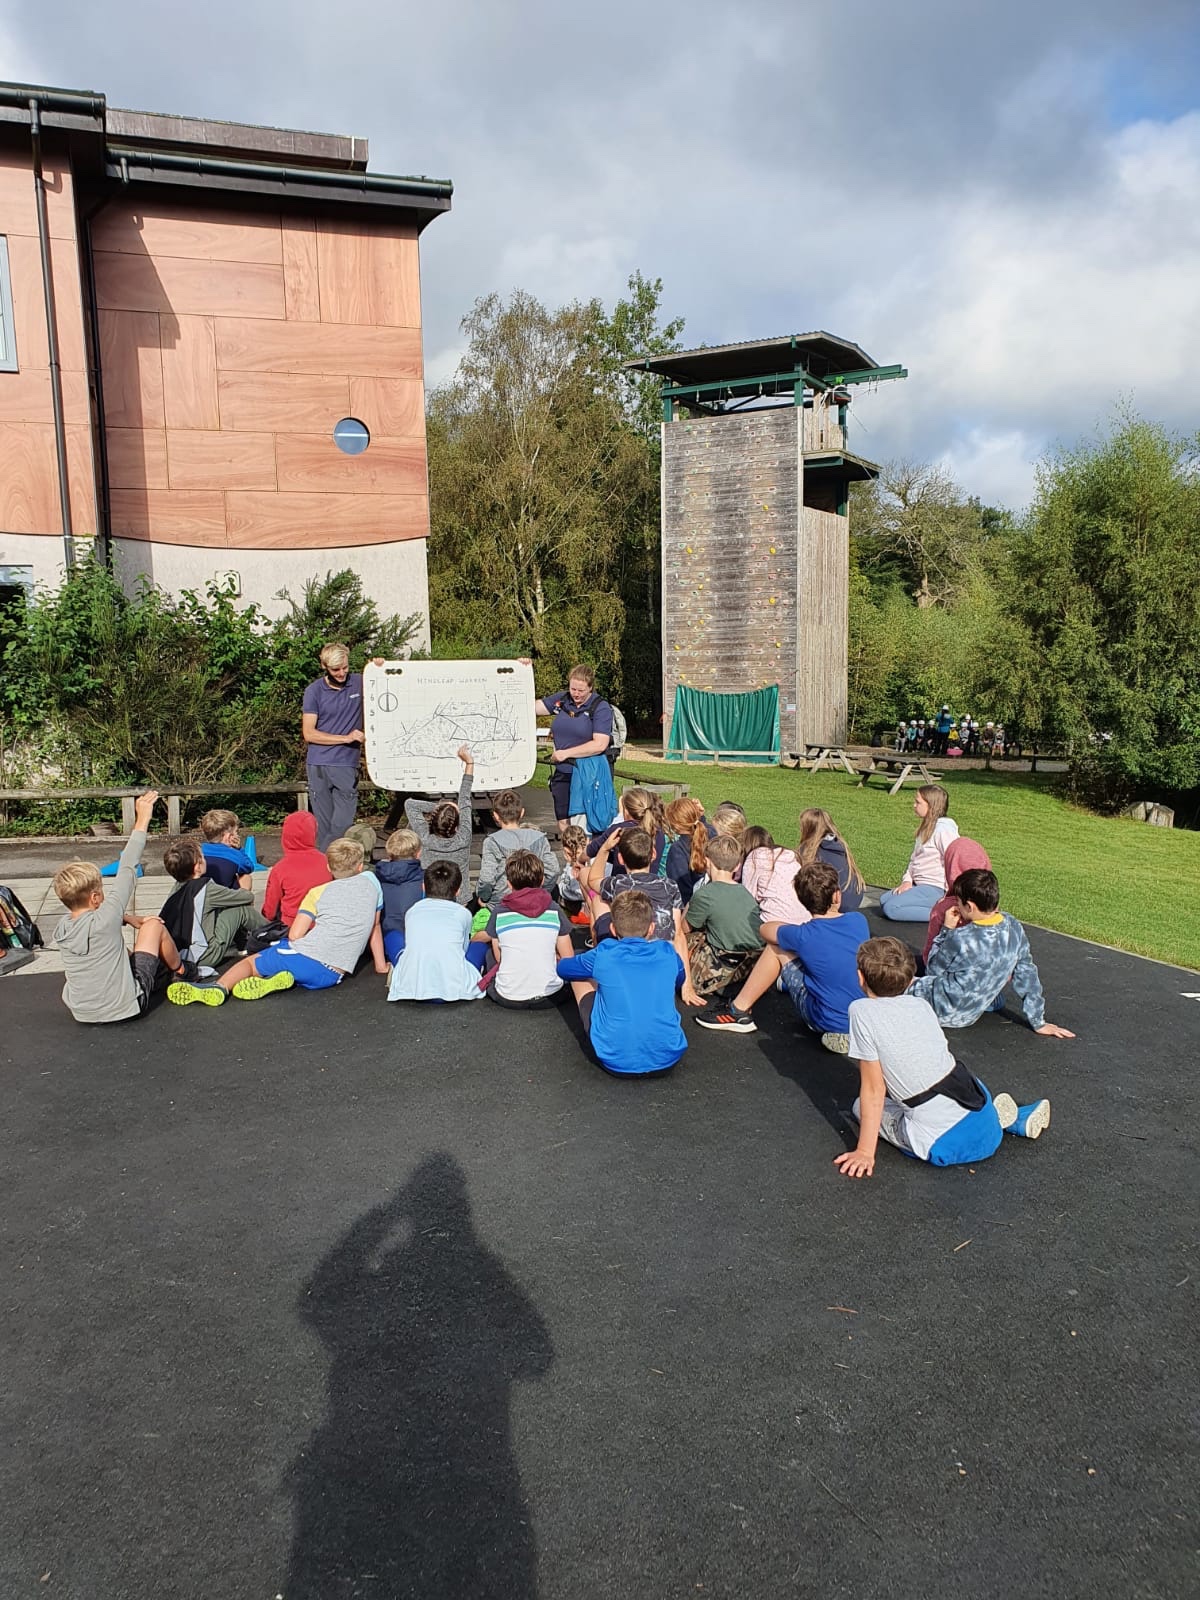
(914, 905)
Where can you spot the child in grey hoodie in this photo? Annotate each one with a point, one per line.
(508, 814)
(105, 983)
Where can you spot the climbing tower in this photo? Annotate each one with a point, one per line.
(756, 476)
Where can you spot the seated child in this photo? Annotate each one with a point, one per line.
(816, 963)
(961, 855)
(689, 832)
(301, 868)
(104, 981)
(639, 808)
(625, 990)
(725, 941)
(322, 946)
(769, 873)
(509, 814)
(572, 890)
(529, 935)
(637, 853)
(730, 818)
(914, 1093)
(403, 884)
(444, 827)
(438, 961)
(206, 920)
(979, 950)
(227, 863)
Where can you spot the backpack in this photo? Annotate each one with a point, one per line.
(16, 923)
(619, 729)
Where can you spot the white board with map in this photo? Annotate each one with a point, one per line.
(419, 712)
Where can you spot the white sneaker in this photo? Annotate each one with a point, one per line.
(839, 1043)
(1006, 1109)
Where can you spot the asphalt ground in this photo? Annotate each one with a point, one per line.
(321, 1297)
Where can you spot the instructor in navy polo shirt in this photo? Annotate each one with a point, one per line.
(333, 727)
(581, 724)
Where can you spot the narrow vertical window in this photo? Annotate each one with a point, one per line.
(8, 337)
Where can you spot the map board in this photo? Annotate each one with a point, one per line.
(419, 712)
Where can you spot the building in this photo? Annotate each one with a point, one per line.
(210, 352)
(756, 476)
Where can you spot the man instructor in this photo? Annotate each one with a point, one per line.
(332, 721)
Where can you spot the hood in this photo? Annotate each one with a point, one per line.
(527, 902)
(964, 855)
(74, 934)
(300, 831)
(831, 845)
(410, 871)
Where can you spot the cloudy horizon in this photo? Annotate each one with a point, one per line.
(1007, 202)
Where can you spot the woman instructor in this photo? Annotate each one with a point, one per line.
(581, 724)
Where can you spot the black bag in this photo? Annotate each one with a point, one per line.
(15, 920)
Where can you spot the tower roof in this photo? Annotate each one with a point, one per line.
(819, 354)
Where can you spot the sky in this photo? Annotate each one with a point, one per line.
(1004, 198)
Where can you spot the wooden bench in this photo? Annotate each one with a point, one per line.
(910, 768)
(173, 795)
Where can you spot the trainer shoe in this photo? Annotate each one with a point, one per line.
(1032, 1120)
(1006, 1109)
(839, 1043)
(201, 994)
(255, 988)
(726, 1019)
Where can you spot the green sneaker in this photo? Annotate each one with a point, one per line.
(201, 994)
(255, 988)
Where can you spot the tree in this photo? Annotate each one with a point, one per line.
(914, 527)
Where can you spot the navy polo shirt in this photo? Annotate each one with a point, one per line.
(572, 725)
(337, 711)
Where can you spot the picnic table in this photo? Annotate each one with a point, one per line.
(818, 757)
(910, 768)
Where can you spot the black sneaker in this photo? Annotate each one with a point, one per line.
(726, 1019)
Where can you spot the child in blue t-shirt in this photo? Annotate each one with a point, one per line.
(625, 990)
(221, 845)
(816, 963)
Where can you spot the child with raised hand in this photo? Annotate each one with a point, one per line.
(914, 1093)
(206, 920)
(689, 833)
(978, 952)
(924, 880)
(323, 945)
(821, 841)
(625, 990)
(529, 936)
(510, 836)
(105, 982)
(726, 938)
(225, 860)
(439, 960)
(444, 826)
(815, 963)
(402, 880)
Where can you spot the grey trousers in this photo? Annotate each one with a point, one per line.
(333, 795)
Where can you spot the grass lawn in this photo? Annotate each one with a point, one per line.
(1119, 882)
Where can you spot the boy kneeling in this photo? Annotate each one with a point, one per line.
(914, 1093)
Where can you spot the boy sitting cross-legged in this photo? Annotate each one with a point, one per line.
(105, 982)
(439, 960)
(322, 946)
(625, 990)
(509, 816)
(529, 935)
(815, 962)
(206, 920)
(403, 883)
(979, 950)
(726, 938)
(914, 1093)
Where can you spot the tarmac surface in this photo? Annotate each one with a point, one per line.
(321, 1297)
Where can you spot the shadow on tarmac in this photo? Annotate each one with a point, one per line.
(410, 1486)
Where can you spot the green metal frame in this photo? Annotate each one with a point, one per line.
(773, 383)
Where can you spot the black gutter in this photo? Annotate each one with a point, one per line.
(100, 477)
(121, 158)
(20, 94)
(60, 430)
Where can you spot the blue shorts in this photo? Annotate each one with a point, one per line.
(792, 978)
(393, 946)
(309, 974)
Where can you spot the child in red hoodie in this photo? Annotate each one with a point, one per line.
(301, 868)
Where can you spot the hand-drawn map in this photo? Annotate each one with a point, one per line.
(418, 713)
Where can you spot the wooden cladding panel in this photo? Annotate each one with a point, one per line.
(182, 231)
(323, 521)
(324, 349)
(301, 291)
(131, 362)
(18, 206)
(822, 580)
(137, 458)
(189, 363)
(170, 516)
(391, 406)
(368, 276)
(388, 466)
(29, 303)
(29, 501)
(227, 460)
(283, 402)
(174, 284)
(25, 396)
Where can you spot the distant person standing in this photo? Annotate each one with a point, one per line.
(332, 721)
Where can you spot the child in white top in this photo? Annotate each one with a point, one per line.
(924, 880)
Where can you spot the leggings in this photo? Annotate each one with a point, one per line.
(914, 905)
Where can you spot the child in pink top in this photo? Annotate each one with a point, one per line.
(924, 880)
(769, 872)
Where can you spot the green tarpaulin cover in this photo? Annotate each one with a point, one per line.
(735, 727)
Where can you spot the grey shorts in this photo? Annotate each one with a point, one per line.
(145, 967)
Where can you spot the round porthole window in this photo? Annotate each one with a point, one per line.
(351, 436)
